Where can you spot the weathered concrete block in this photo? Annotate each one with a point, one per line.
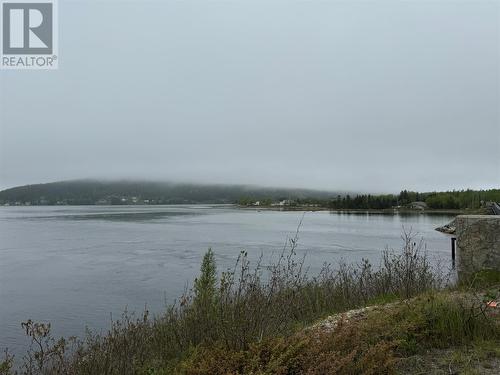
(478, 243)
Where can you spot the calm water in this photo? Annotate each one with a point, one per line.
(75, 266)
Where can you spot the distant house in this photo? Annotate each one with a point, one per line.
(257, 203)
(418, 205)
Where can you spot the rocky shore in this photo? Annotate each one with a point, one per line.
(449, 228)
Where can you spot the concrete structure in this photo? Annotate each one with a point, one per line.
(478, 243)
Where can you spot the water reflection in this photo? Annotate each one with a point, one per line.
(73, 266)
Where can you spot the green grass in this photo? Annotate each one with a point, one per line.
(451, 325)
(383, 299)
(485, 278)
(376, 343)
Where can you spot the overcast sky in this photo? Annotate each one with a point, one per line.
(369, 96)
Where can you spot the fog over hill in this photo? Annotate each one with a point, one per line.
(352, 95)
(148, 192)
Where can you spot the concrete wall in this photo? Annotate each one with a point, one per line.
(478, 243)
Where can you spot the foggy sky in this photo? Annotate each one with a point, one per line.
(369, 96)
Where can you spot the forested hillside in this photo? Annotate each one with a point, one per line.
(83, 192)
(89, 192)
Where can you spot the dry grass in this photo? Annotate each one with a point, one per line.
(404, 337)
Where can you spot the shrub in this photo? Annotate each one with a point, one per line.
(240, 312)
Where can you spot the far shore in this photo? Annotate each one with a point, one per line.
(359, 210)
(388, 211)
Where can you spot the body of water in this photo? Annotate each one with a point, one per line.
(78, 266)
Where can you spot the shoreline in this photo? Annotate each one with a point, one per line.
(387, 211)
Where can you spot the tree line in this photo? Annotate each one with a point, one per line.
(457, 199)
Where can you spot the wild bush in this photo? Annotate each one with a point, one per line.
(243, 307)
